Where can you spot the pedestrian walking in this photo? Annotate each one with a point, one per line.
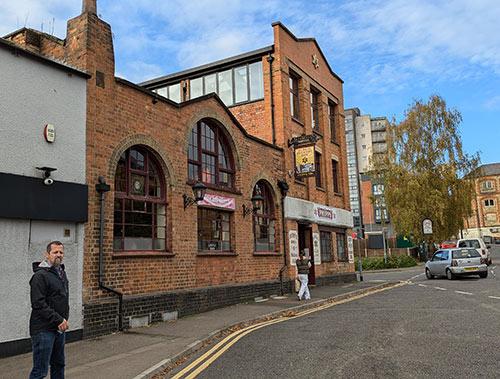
(303, 266)
(49, 313)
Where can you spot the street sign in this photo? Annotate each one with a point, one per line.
(427, 226)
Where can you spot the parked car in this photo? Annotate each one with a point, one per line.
(497, 240)
(479, 245)
(448, 244)
(455, 262)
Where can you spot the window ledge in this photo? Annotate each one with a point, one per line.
(338, 194)
(142, 254)
(335, 142)
(208, 253)
(298, 121)
(212, 187)
(320, 189)
(299, 182)
(318, 132)
(267, 253)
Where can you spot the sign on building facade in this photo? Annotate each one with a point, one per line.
(293, 241)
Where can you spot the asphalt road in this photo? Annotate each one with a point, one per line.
(424, 329)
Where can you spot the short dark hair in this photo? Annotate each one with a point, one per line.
(57, 243)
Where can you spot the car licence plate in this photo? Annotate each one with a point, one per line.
(470, 268)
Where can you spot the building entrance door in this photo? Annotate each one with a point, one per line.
(305, 244)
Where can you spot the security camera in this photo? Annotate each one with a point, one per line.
(46, 174)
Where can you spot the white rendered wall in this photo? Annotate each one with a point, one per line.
(33, 94)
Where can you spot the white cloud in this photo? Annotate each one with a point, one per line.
(493, 103)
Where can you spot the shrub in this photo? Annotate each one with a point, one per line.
(377, 263)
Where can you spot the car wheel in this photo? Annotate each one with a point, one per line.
(483, 274)
(428, 274)
(449, 275)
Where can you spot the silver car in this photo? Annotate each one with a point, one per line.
(454, 262)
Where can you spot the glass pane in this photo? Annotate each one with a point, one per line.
(193, 171)
(208, 169)
(159, 244)
(256, 81)
(174, 92)
(195, 88)
(136, 160)
(162, 91)
(117, 244)
(137, 183)
(193, 144)
(207, 138)
(121, 175)
(222, 157)
(240, 84)
(210, 83)
(226, 86)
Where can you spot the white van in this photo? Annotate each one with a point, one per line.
(479, 245)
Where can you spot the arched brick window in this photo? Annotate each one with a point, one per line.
(140, 205)
(264, 220)
(210, 159)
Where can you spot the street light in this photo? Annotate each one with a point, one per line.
(256, 200)
(199, 190)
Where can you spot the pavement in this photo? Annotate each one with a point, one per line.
(141, 352)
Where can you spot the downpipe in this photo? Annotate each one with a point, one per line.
(283, 186)
(101, 189)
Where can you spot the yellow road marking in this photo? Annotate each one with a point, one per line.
(231, 339)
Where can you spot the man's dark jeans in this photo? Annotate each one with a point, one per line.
(48, 348)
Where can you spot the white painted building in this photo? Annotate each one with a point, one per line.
(36, 92)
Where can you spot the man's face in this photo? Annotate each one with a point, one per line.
(56, 254)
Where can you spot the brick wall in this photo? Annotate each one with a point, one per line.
(102, 317)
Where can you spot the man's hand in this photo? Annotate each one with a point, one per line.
(63, 326)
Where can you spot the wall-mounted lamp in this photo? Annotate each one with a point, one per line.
(199, 190)
(257, 200)
(47, 180)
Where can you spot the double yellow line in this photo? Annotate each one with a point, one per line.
(200, 364)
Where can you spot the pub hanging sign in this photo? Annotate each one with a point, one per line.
(304, 155)
(304, 161)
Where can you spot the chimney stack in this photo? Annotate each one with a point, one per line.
(89, 6)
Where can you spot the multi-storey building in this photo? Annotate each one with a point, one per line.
(485, 218)
(366, 142)
(234, 127)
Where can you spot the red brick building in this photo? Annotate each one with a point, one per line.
(153, 255)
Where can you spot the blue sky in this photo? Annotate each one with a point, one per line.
(387, 52)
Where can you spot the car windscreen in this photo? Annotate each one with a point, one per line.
(465, 253)
(470, 243)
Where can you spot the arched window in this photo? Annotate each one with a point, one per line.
(264, 220)
(209, 156)
(140, 218)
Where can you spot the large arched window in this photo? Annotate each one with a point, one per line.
(264, 220)
(209, 156)
(140, 217)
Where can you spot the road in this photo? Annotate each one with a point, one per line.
(423, 329)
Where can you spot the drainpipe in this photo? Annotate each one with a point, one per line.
(101, 189)
(270, 59)
(283, 186)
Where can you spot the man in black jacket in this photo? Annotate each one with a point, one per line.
(49, 313)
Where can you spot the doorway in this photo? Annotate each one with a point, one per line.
(305, 244)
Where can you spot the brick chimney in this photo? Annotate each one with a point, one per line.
(89, 6)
